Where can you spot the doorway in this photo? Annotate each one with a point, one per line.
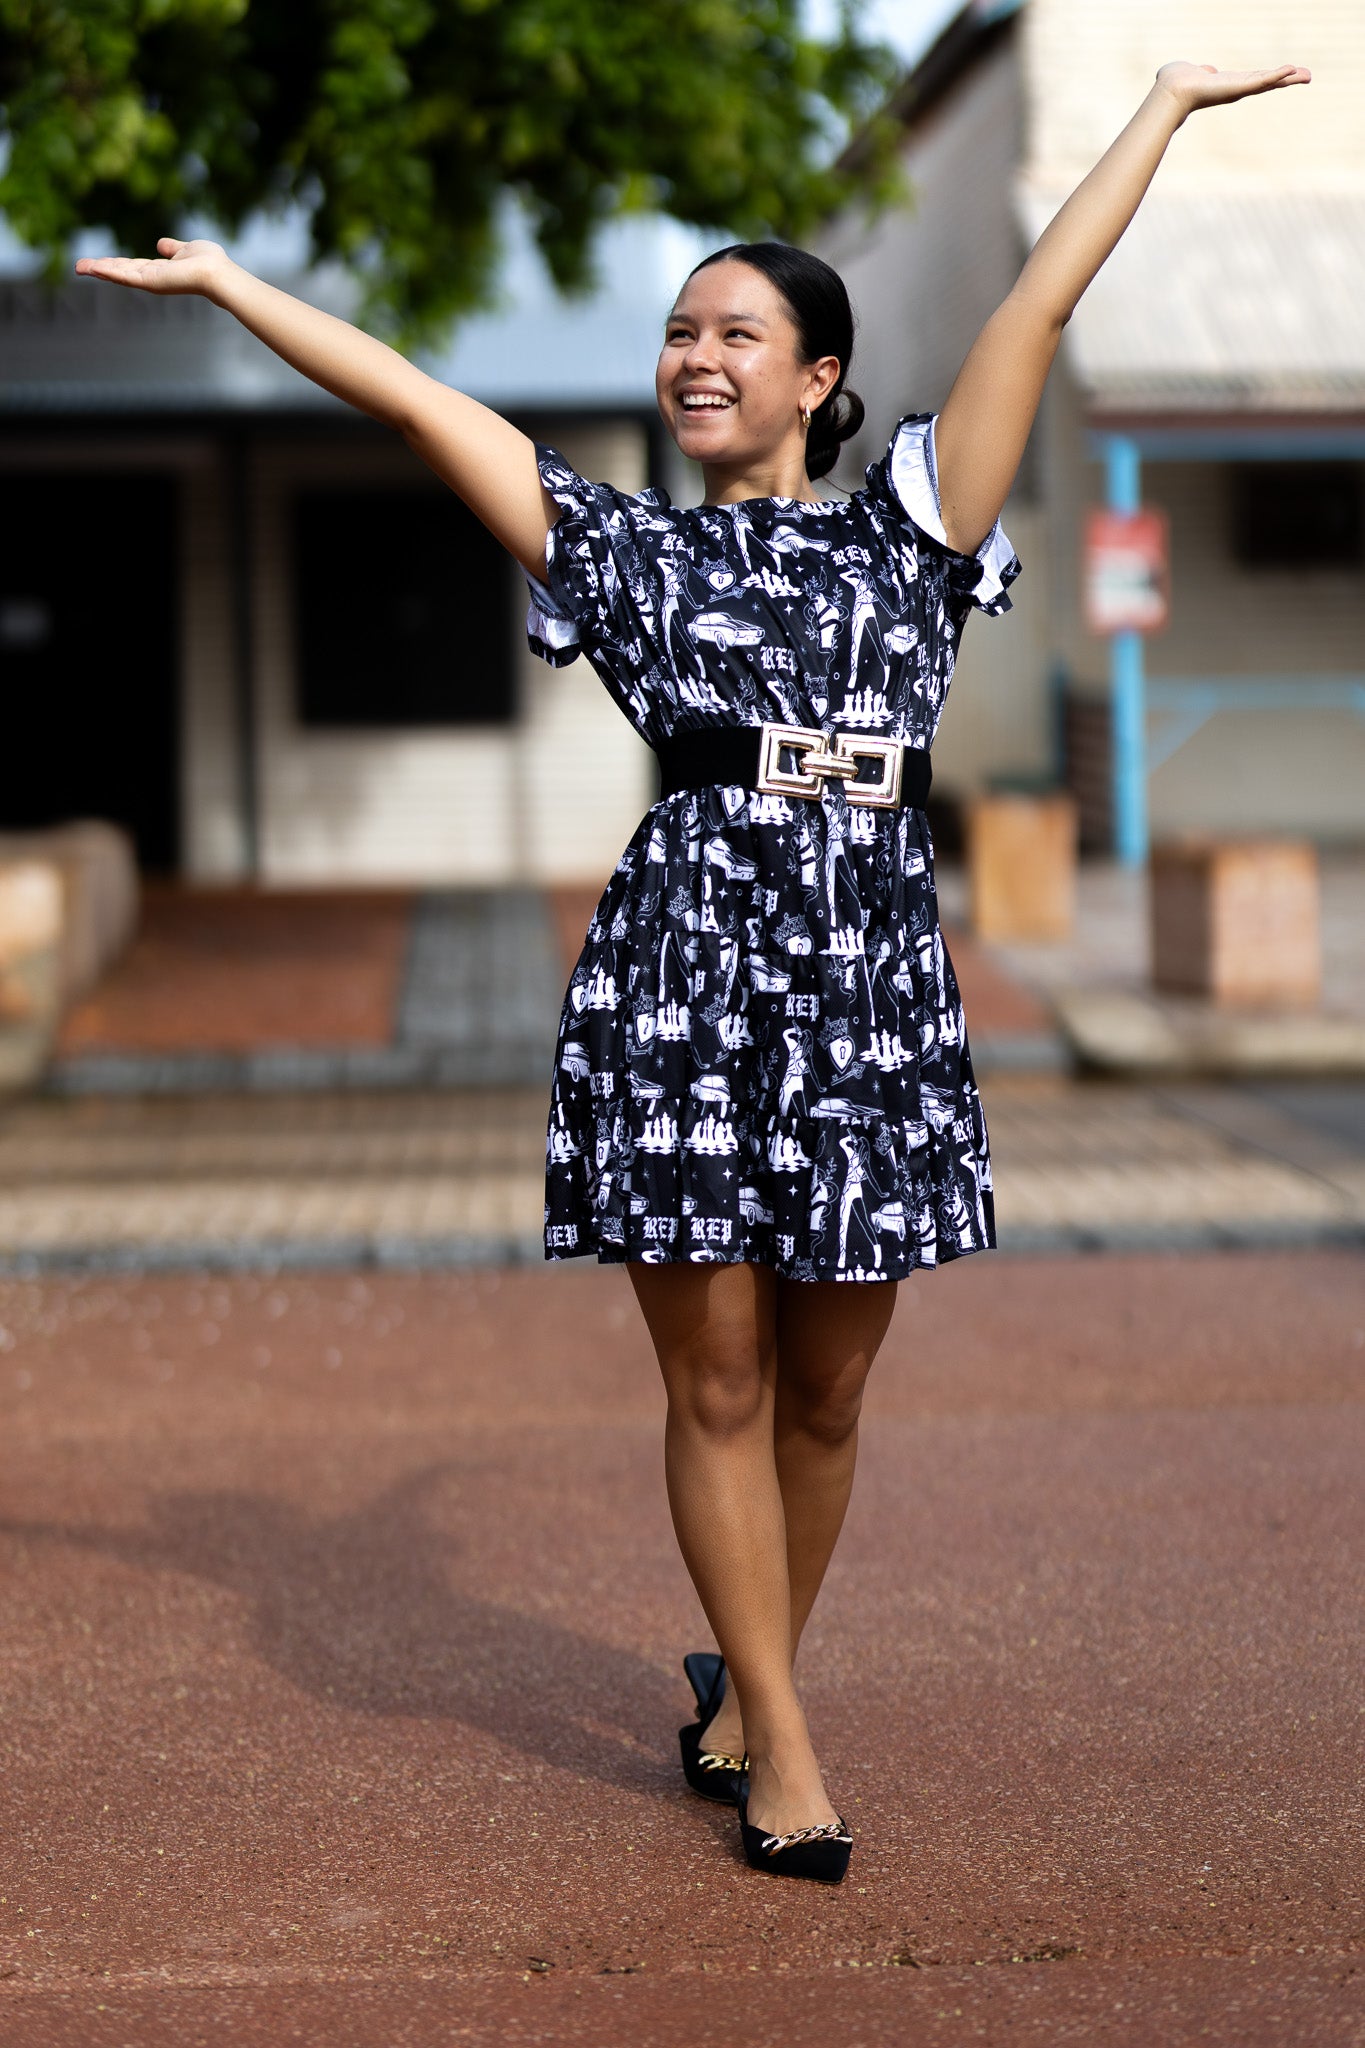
(89, 696)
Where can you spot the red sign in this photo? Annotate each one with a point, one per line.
(1127, 572)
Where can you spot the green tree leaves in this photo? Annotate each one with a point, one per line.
(398, 124)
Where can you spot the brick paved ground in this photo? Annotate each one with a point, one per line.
(233, 969)
(432, 1178)
(254, 973)
(340, 1671)
(234, 988)
(238, 990)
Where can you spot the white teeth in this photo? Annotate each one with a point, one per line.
(697, 401)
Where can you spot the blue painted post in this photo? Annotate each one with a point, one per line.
(1127, 710)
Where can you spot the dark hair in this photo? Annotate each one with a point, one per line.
(817, 299)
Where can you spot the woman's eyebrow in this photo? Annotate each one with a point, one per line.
(727, 319)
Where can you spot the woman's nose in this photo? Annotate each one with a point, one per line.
(702, 355)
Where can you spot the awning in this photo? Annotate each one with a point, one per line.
(1224, 303)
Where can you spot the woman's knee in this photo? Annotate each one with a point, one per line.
(824, 1405)
(721, 1393)
(714, 1330)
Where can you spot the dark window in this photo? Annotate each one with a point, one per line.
(1297, 515)
(402, 611)
(89, 666)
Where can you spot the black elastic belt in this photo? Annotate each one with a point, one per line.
(729, 755)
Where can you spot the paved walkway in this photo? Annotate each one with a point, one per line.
(305, 1080)
(243, 990)
(427, 1179)
(341, 1671)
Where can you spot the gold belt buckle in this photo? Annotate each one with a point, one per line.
(820, 755)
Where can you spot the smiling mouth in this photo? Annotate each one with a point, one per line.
(706, 401)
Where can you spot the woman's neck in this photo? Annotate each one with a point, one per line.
(783, 476)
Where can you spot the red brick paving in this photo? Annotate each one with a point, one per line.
(995, 1005)
(237, 970)
(571, 907)
(240, 970)
(341, 1670)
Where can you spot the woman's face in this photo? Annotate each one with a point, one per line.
(730, 381)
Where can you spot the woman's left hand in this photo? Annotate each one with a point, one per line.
(1204, 85)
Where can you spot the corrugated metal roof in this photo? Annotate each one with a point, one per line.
(1225, 302)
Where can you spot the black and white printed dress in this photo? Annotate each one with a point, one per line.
(761, 1054)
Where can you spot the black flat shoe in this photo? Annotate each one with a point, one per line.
(819, 1852)
(711, 1772)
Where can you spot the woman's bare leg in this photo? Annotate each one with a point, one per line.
(828, 1334)
(715, 1332)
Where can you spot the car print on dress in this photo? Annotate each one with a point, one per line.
(723, 631)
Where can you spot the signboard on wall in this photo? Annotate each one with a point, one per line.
(1127, 571)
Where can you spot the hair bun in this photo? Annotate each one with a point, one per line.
(833, 423)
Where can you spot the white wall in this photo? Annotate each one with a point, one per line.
(1265, 771)
(213, 846)
(586, 778)
(1250, 771)
(1088, 63)
(551, 797)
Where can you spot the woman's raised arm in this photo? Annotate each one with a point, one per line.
(986, 419)
(485, 460)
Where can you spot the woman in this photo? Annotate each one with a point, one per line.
(763, 1101)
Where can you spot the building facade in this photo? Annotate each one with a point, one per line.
(249, 624)
(1216, 369)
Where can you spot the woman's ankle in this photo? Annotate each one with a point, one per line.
(784, 1741)
(788, 1793)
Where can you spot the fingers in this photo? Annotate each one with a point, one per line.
(130, 270)
(174, 270)
(1270, 81)
(1225, 86)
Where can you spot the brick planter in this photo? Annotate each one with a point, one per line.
(1237, 920)
(1021, 866)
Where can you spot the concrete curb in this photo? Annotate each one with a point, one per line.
(1021, 1052)
(291, 1070)
(1122, 1032)
(358, 1252)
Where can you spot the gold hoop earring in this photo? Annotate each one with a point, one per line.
(805, 417)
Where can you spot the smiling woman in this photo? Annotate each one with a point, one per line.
(763, 330)
(762, 1083)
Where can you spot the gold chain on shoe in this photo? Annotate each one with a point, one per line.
(717, 1760)
(826, 1831)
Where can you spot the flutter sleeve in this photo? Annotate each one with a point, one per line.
(908, 474)
(597, 577)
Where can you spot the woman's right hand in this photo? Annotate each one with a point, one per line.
(181, 267)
